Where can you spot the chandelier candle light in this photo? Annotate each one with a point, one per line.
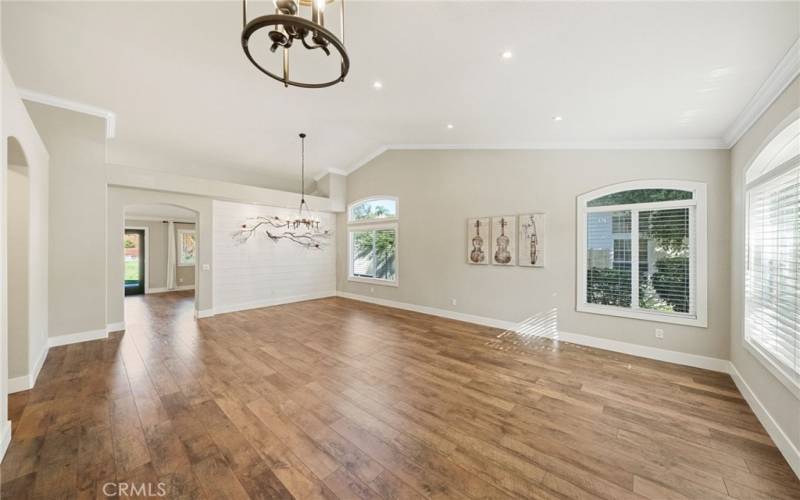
(304, 229)
(287, 26)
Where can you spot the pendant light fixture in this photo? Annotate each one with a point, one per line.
(305, 229)
(287, 29)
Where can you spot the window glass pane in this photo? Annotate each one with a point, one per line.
(374, 254)
(665, 260)
(374, 209)
(640, 196)
(608, 258)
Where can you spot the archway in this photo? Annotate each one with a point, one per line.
(160, 254)
(18, 263)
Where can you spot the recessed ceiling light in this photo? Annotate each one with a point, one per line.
(377, 85)
(449, 125)
(558, 118)
(507, 54)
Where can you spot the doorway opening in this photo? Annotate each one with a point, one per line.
(135, 255)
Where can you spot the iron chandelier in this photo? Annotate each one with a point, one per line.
(287, 28)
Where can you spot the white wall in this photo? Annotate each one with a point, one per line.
(781, 406)
(261, 272)
(439, 190)
(18, 205)
(16, 123)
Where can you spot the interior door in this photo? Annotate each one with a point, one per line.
(134, 261)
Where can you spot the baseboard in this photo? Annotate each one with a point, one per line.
(26, 382)
(164, 290)
(782, 441)
(5, 438)
(115, 327)
(681, 358)
(74, 338)
(205, 313)
(271, 302)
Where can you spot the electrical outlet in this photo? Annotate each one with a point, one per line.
(659, 333)
(206, 267)
(453, 301)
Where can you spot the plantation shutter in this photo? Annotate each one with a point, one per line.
(773, 253)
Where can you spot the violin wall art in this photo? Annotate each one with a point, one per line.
(531, 232)
(504, 240)
(478, 241)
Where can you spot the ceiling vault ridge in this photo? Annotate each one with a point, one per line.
(59, 102)
(781, 77)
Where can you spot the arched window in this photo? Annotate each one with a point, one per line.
(772, 284)
(373, 237)
(642, 251)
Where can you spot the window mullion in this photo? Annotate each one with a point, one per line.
(635, 259)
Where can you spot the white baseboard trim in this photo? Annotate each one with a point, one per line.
(271, 302)
(115, 327)
(26, 382)
(782, 441)
(74, 338)
(164, 290)
(681, 358)
(5, 438)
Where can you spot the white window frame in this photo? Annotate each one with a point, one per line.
(765, 358)
(373, 225)
(698, 241)
(374, 221)
(179, 233)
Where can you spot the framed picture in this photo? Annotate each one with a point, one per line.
(531, 234)
(504, 240)
(478, 241)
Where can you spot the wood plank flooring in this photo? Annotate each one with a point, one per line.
(338, 399)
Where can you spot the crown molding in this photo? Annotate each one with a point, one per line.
(780, 78)
(565, 146)
(109, 116)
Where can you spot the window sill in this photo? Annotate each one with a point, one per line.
(372, 281)
(642, 315)
(771, 366)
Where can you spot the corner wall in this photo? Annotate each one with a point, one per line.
(438, 191)
(776, 406)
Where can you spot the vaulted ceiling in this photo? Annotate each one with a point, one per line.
(639, 74)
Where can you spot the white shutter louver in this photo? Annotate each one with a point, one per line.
(772, 284)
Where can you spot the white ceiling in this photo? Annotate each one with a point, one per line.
(671, 74)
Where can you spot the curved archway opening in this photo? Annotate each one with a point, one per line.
(18, 263)
(160, 249)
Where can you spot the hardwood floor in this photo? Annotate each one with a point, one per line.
(338, 399)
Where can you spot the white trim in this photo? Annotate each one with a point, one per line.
(156, 290)
(699, 238)
(26, 382)
(682, 358)
(784, 73)
(771, 365)
(115, 327)
(257, 304)
(782, 441)
(5, 438)
(363, 161)
(205, 313)
(74, 338)
(151, 291)
(134, 217)
(109, 116)
(146, 254)
(374, 226)
(334, 171)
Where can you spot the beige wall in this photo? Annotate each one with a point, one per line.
(157, 256)
(439, 190)
(775, 397)
(77, 271)
(18, 203)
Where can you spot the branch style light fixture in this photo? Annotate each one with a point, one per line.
(287, 26)
(304, 229)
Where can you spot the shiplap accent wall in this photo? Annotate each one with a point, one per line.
(260, 272)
